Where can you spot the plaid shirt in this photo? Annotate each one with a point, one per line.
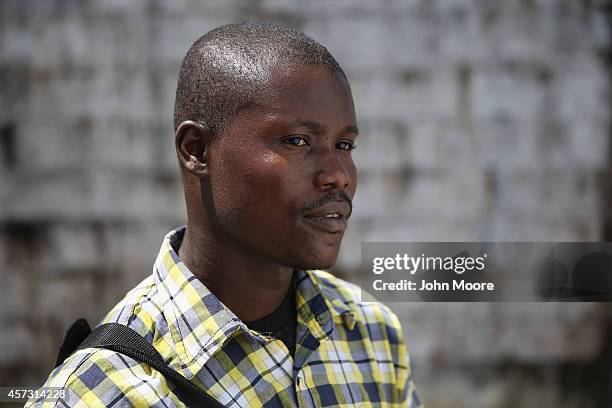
(348, 353)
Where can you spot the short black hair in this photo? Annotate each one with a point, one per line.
(227, 68)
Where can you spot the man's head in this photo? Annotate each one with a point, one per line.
(230, 67)
(265, 126)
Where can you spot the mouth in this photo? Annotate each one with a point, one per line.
(331, 217)
(331, 223)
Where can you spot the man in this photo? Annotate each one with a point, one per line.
(237, 303)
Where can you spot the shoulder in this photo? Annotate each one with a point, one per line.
(99, 377)
(141, 302)
(351, 297)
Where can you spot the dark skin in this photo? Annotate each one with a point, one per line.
(272, 192)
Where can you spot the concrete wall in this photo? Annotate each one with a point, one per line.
(480, 120)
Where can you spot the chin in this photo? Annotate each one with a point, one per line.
(312, 253)
(308, 261)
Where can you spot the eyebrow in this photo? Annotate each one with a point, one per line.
(352, 129)
(318, 127)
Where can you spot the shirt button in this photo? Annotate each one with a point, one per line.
(299, 379)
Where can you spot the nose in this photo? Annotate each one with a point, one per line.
(333, 171)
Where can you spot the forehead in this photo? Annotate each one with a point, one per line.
(306, 93)
(306, 83)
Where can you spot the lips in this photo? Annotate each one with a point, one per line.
(331, 217)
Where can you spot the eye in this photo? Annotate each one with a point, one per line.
(346, 146)
(297, 141)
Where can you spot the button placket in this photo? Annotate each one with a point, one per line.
(302, 391)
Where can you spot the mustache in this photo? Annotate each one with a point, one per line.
(339, 195)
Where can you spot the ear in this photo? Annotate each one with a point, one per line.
(192, 144)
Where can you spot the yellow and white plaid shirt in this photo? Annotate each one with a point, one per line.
(348, 353)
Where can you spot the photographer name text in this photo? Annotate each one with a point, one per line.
(434, 285)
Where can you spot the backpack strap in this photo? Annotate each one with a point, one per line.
(76, 333)
(122, 339)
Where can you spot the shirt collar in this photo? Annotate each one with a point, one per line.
(200, 324)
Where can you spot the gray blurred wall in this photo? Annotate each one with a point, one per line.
(480, 120)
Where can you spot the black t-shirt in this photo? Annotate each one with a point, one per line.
(281, 323)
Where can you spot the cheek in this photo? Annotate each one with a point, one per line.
(354, 179)
(254, 191)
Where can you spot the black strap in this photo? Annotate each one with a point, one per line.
(74, 336)
(122, 339)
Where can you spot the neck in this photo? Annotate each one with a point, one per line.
(248, 285)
